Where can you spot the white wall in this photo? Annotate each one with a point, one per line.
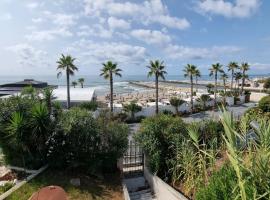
(162, 190)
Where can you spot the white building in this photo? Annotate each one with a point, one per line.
(77, 95)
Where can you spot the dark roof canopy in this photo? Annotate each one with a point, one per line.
(25, 83)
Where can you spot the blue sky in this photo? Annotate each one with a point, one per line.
(201, 32)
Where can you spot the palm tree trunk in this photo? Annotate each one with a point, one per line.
(191, 91)
(156, 83)
(111, 94)
(243, 82)
(196, 84)
(224, 98)
(68, 91)
(215, 89)
(232, 80)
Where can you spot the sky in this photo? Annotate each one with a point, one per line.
(34, 33)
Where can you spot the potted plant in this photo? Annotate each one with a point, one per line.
(247, 96)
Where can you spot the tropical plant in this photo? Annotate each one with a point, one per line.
(176, 103)
(158, 135)
(109, 69)
(82, 142)
(232, 67)
(29, 91)
(66, 64)
(266, 84)
(214, 70)
(74, 84)
(204, 98)
(210, 88)
(264, 104)
(48, 97)
(132, 108)
(91, 105)
(197, 75)
(224, 78)
(190, 71)
(244, 68)
(81, 81)
(237, 76)
(157, 69)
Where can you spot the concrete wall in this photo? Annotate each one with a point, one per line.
(161, 189)
(256, 96)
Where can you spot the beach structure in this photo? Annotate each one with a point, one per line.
(77, 95)
(17, 87)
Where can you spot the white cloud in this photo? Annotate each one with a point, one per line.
(29, 56)
(186, 52)
(5, 16)
(61, 19)
(32, 5)
(95, 52)
(96, 30)
(260, 66)
(240, 8)
(37, 20)
(45, 35)
(152, 11)
(151, 37)
(115, 23)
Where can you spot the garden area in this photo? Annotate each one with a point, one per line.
(211, 160)
(35, 131)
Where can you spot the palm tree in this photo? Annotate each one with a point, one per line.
(74, 84)
(109, 69)
(190, 71)
(224, 78)
(232, 67)
(157, 70)
(81, 81)
(132, 108)
(176, 102)
(238, 76)
(204, 99)
(197, 75)
(66, 63)
(48, 96)
(214, 70)
(244, 68)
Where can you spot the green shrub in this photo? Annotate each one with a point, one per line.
(80, 141)
(25, 126)
(264, 104)
(220, 186)
(158, 135)
(266, 84)
(91, 105)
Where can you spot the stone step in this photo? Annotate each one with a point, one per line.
(145, 196)
(140, 192)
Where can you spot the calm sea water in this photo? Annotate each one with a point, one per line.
(102, 86)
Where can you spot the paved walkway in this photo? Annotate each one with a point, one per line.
(237, 111)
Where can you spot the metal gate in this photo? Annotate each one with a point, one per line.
(133, 160)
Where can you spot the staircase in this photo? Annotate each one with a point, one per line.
(138, 189)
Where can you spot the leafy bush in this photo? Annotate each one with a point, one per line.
(91, 105)
(25, 126)
(220, 186)
(157, 136)
(266, 84)
(80, 141)
(264, 104)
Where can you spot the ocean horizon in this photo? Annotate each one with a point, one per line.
(121, 84)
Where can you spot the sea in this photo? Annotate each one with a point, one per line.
(101, 86)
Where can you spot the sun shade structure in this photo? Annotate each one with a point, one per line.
(50, 193)
(17, 87)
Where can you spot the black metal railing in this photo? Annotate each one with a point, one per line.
(133, 160)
